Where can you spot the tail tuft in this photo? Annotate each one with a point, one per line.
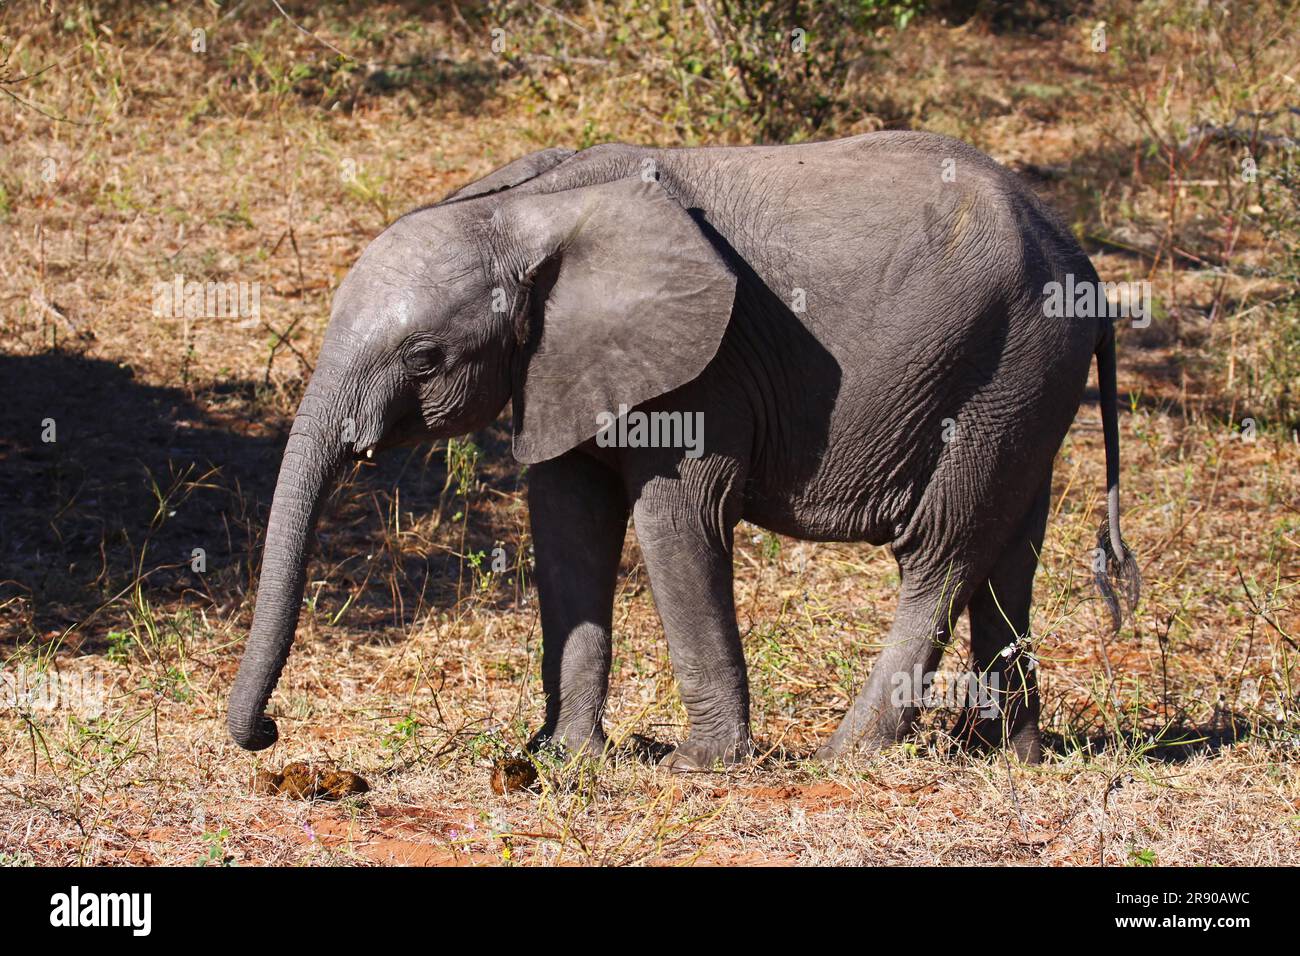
(1118, 577)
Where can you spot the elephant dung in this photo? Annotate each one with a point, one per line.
(303, 781)
(513, 773)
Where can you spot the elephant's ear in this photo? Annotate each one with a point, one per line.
(620, 297)
(513, 174)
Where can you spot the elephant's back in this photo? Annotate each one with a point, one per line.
(881, 239)
(917, 267)
(870, 237)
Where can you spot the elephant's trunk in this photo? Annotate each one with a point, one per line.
(312, 458)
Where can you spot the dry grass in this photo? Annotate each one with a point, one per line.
(1174, 742)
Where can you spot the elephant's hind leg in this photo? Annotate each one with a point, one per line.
(889, 702)
(1007, 708)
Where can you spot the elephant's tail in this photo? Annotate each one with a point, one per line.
(1116, 567)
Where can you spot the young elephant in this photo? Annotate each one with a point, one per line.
(856, 329)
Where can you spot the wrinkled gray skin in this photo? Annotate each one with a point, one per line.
(923, 302)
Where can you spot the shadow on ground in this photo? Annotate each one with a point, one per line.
(106, 480)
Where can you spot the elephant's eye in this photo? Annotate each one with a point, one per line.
(422, 358)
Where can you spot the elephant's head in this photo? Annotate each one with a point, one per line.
(568, 302)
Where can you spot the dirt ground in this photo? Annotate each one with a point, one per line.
(135, 158)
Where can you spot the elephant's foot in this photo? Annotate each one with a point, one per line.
(985, 735)
(1027, 745)
(866, 729)
(837, 746)
(588, 743)
(701, 754)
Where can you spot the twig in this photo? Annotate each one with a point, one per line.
(307, 32)
(7, 80)
(1264, 617)
(1015, 797)
(32, 106)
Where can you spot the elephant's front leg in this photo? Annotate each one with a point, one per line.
(578, 511)
(690, 569)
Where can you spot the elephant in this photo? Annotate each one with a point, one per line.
(858, 328)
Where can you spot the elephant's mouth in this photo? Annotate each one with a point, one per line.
(408, 430)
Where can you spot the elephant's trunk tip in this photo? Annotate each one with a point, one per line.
(255, 733)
